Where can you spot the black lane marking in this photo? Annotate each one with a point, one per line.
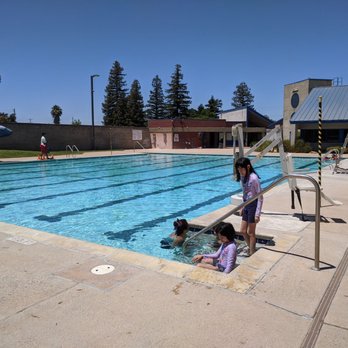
(127, 234)
(3, 205)
(102, 177)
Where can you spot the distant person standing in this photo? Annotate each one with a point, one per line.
(43, 146)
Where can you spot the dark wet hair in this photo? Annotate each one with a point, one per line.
(244, 162)
(217, 228)
(180, 225)
(227, 230)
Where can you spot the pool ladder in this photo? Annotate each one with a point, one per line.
(70, 150)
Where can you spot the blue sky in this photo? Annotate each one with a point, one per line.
(49, 49)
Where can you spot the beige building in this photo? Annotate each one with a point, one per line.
(294, 96)
(254, 124)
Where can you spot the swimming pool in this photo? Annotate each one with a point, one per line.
(126, 202)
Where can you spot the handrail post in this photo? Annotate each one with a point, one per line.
(317, 226)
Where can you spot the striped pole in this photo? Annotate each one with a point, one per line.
(319, 139)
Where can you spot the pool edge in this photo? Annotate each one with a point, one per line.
(241, 280)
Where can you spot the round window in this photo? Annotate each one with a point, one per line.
(295, 99)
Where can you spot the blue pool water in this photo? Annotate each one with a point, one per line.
(126, 202)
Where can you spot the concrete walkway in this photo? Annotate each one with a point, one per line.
(50, 298)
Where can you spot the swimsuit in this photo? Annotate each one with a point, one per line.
(251, 187)
(167, 243)
(226, 257)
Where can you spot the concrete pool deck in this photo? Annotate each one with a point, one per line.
(49, 297)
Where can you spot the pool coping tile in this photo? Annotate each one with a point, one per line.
(242, 279)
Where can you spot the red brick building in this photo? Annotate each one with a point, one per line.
(210, 133)
(181, 134)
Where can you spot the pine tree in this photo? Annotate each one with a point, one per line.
(214, 106)
(115, 100)
(203, 113)
(135, 106)
(242, 96)
(156, 105)
(178, 99)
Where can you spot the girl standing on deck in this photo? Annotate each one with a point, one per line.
(250, 183)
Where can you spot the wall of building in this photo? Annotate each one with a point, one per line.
(301, 89)
(187, 133)
(235, 115)
(333, 134)
(186, 140)
(26, 136)
(162, 140)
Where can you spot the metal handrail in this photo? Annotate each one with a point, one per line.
(273, 184)
(68, 147)
(137, 142)
(71, 148)
(75, 147)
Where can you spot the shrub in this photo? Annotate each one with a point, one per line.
(300, 146)
(263, 146)
(287, 146)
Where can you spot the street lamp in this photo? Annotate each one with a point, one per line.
(92, 110)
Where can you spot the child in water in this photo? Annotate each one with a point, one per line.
(178, 237)
(225, 258)
(250, 182)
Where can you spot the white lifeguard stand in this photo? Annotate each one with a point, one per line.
(275, 136)
(295, 186)
(286, 160)
(337, 169)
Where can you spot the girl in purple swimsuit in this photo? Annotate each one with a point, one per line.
(225, 258)
(251, 213)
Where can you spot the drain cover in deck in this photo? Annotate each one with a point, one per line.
(102, 269)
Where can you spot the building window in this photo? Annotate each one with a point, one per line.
(295, 99)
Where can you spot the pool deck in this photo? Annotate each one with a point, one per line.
(49, 297)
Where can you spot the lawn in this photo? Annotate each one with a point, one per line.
(25, 153)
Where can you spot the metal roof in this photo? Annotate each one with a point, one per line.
(334, 105)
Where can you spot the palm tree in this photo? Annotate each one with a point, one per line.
(56, 112)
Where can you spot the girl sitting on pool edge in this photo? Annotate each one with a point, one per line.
(224, 259)
(178, 237)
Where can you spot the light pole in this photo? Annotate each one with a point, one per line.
(92, 110)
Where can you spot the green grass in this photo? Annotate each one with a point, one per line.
(24, 153)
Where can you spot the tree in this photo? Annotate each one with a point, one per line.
(6, 118)
(135, 106)
(115, 101)
(12, 118)
(210, 111)
(178, 99)
(200, 112)
(56, 113)
(242, 96)
(76, 122)
(214, 106)
(156, 107)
